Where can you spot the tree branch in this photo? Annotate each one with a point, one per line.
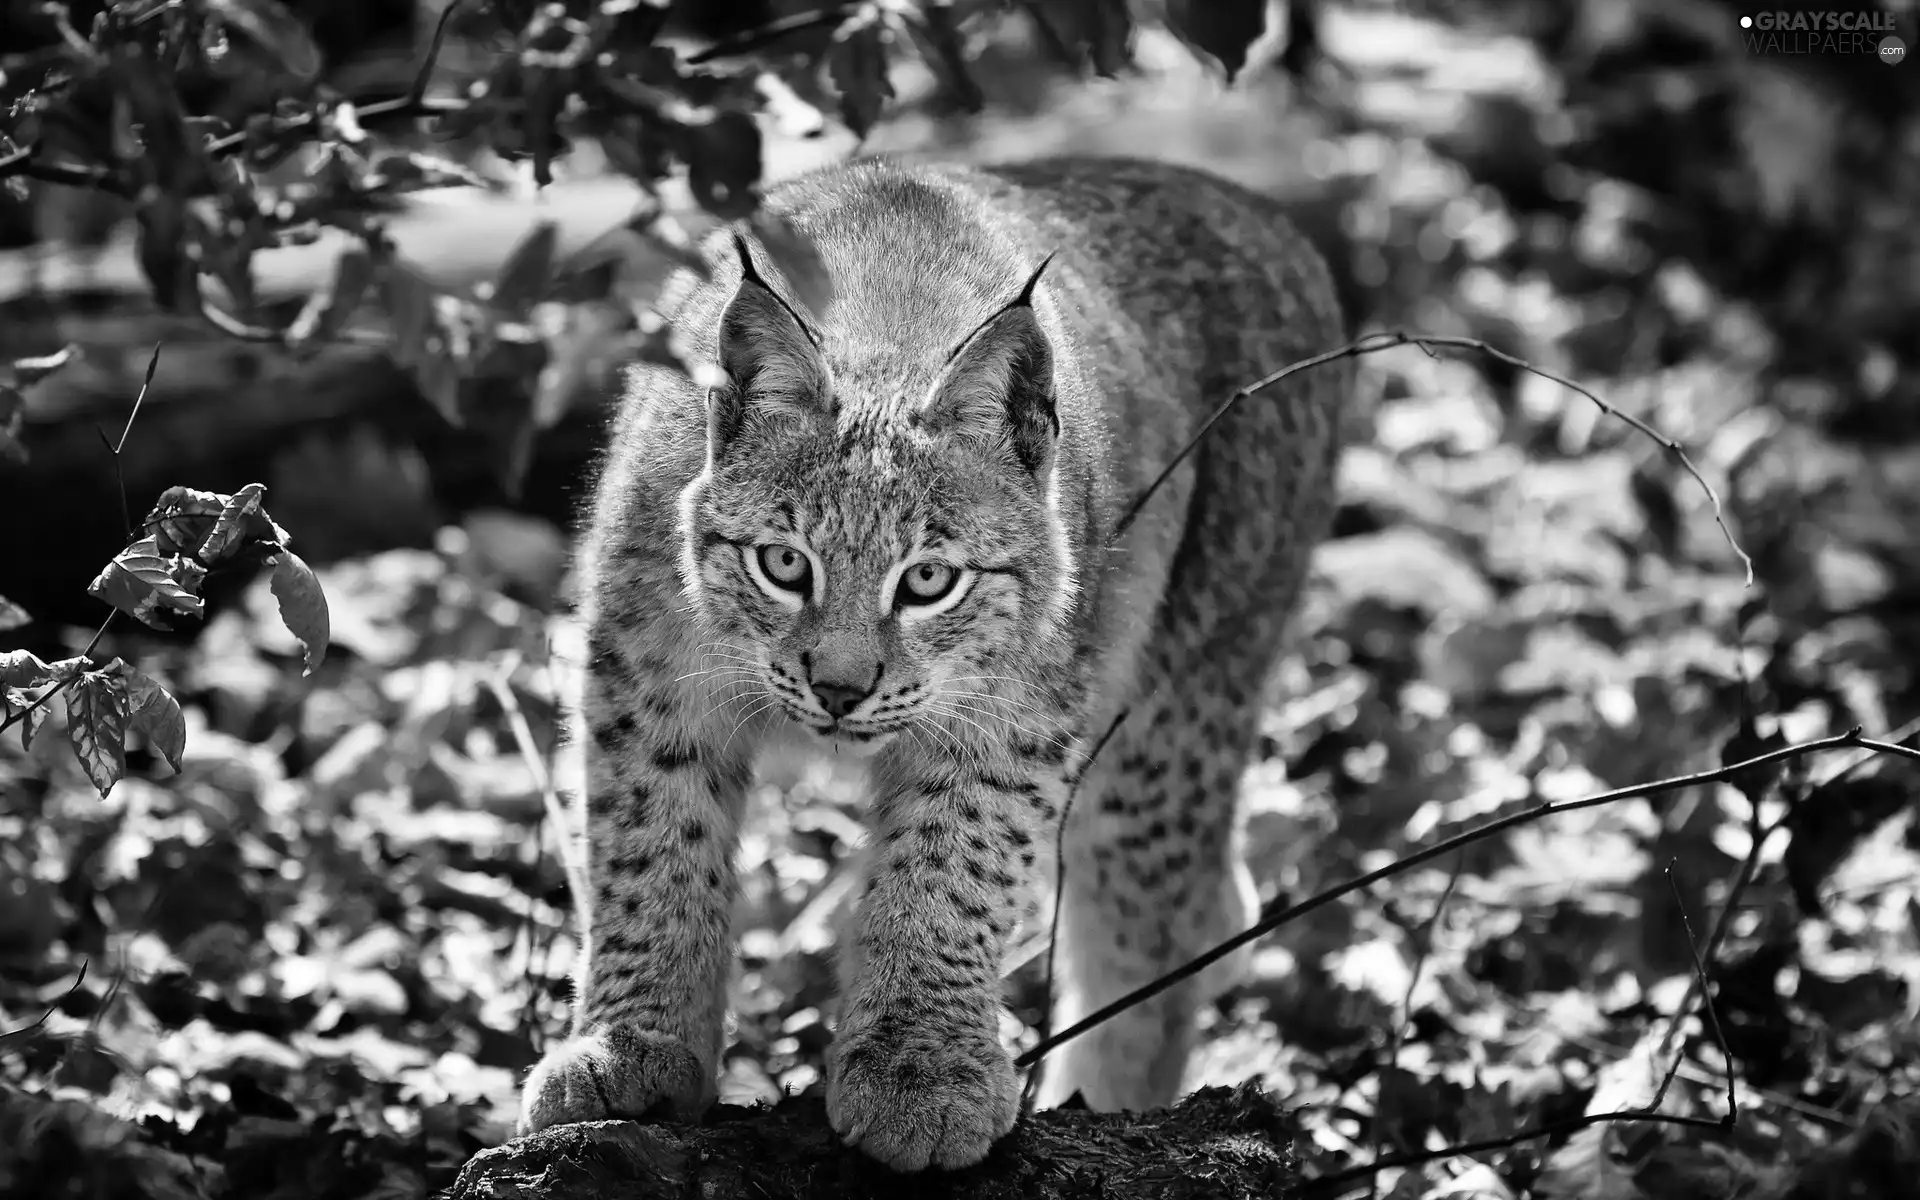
(1274, 920)
(1373, 343)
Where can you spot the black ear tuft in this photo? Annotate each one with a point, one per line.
(749, 272)
(998, 383)
(1033, 281)
(770, 356)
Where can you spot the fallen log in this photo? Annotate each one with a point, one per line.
(1218, 1143)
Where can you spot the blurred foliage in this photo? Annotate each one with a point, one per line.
(191, 113)
(312, 960)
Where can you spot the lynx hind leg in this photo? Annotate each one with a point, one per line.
(1154, 875)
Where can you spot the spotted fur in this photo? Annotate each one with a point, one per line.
(961, 424)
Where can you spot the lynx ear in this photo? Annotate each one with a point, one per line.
(997, 386)
(770, 358)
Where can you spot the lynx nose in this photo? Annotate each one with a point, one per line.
(832, 684)
(839, 699)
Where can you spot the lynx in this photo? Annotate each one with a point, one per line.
(891, 531)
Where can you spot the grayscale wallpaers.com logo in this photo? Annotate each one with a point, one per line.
(1824, 33)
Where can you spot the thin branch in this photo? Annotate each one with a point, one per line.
(153, 364)
(1274, 920)
(114, 448)
(13, 1034)
(1813, 1112)
(1904, 734)
(26, 161)
(1373, 343)
(1706, 993)
(400, 108)
(235, 328)
(421, 77)
(737, 44)
(1723, 924)
(107, 179)
(1423, 946)
(126, 521)
(501, 687)
(61, 685)
(1545, 1130)
(1059, 894)
(541, 764)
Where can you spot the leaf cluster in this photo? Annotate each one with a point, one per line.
(217, 118)
(159, 576)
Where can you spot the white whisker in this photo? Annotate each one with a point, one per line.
(989, 707)
(961, 748)
(960, 701)
(921, 722)
(742, 688)
(751, 714)
(721, 669)
(956, 712)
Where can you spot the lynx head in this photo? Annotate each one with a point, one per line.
(874, 543)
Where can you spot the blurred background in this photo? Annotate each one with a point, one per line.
(1525, 598)
(1604, 186)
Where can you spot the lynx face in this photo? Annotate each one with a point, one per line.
(872, 540)
(867, 581)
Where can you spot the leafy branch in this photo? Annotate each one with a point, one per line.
(186, 536)
(144, 105)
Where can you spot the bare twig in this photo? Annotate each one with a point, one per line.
(1700, 978)
(26, 161)
(1904, 734)
(233, 327)
(1373, 343)
(126, 520)
(15, 1034)
(398, 109)
(1692, 1074)
(1723, 924)
(556, 812)
(418, 92)
(541, 764)
(1464, 1149)
(153, 364)
(1274, 920)
(1423, 946)
(773, 31)
(114, 448)
(61, 685)
(1059, 894)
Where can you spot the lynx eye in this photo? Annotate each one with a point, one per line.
(784, 567)
(926, 583)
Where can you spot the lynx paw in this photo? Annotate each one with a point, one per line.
(910, 1101)
(615, 1072)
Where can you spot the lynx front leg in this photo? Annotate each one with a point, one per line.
(916, 1072)
(664, 797)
